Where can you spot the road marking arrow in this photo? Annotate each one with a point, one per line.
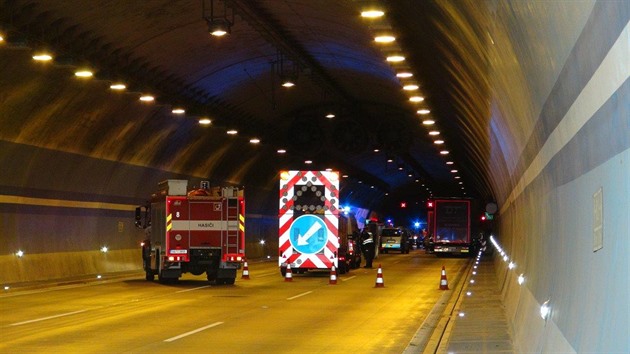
(303, 240)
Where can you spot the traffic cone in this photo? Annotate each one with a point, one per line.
(245, 271)
(379, 278)
(288, 276)
(443, 281)
(333, 276)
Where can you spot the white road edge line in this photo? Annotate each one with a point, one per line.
(193, 332)
(187, 290)
(299, 295)
(46, 318)
(348, 278)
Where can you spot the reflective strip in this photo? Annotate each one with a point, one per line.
(169, 222)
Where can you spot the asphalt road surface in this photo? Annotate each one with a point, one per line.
(265, 314)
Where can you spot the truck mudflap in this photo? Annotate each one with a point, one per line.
(230, 265)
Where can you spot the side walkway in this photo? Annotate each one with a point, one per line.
(480, 323)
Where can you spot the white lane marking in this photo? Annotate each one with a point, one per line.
(348, 278)
(187, 290)
(46, 318)
(299, 295)
(193, 332)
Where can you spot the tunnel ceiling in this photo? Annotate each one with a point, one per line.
(164, 48)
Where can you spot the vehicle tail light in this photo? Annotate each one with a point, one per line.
(234, 258)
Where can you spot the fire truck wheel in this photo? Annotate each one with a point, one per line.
(283, 271)
(149, 275)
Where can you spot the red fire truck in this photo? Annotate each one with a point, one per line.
(198, 231)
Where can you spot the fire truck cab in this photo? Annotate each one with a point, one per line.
(197, 231)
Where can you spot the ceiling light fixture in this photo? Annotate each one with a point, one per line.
(281, 151)
(404, 75)
(411, 87)
(42, 56)
(219, 20)
(118, 86)
(205, 121)
(395, 58)
(308, 162)
(254, 141)
(147, 98)
(434, 132)
(232, 132)
(83, 73)
(178, 110)
(286, 68)
(416, 99)
(372, 13)
(330, 115)
(423, 111)
(384, 39)
(438, 142)
(444, 152)
(428, 122)
(449, 162)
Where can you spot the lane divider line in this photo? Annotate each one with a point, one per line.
(299, 295)
(193, 332)
(47, 318)
(187, 290)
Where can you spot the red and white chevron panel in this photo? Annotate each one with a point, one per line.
(326, 207)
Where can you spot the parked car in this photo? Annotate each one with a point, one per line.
(395, 239)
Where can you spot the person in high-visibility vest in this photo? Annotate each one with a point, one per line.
(367, 246)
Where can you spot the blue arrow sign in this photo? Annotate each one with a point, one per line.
(308, 234)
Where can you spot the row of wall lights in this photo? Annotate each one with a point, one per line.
(20, 253)
(545, 308)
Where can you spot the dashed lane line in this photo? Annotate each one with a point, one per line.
(193, 332)
(47, 318)
(187, 290)
(299, 295)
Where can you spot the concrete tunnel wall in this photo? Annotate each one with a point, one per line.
(558, 73)
(561, 124)
(63, 207)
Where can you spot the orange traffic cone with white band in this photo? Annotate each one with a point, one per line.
(288, 276)
(443, 281)
(379, 278)
(333, 276)
(245, 271)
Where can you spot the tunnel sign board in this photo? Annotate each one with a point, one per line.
(308, 219)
